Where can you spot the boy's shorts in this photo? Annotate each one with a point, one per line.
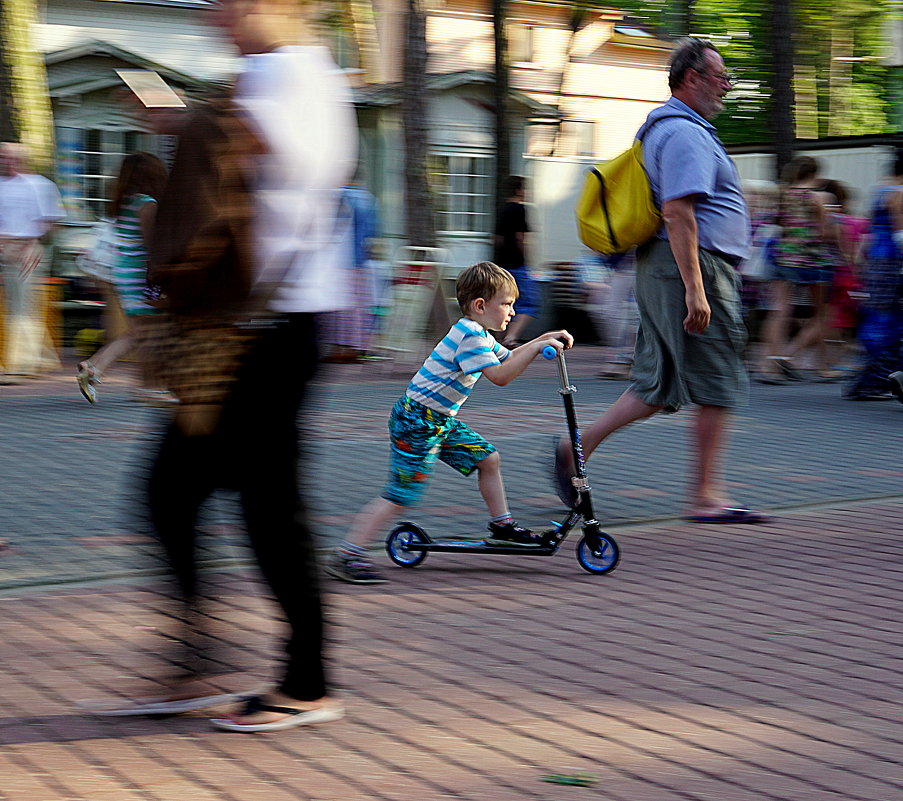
(419, 436)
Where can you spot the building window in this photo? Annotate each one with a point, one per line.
(462, 186)
(568, 138)
(540, 138)
(520, 43)
(89, 163)
(578, 138)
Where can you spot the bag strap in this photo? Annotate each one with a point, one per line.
(648, 126)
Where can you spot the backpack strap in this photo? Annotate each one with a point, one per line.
(650, 125)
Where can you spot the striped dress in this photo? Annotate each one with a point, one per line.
(130, 269)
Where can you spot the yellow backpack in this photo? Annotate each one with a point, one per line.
(616, 210)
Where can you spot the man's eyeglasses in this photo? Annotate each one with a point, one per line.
(725, 77)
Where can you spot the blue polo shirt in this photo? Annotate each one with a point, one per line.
(683, 156)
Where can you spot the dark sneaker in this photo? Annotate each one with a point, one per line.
(561, 477)
(512, 534)
(896, 384)
(353, 569)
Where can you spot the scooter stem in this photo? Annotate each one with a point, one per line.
(566, 388)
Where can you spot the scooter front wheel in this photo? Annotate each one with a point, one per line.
(601, 559)
(398, 545)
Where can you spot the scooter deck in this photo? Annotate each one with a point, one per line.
(476, 546)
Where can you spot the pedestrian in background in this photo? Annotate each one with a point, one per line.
(881, 329)
(619, 315)
(29, 206)
(802, 258)
(350, 330)
(691, 338)
(511, 229)
(133, 208)
(846, 235)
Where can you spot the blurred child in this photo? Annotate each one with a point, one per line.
(424, 427)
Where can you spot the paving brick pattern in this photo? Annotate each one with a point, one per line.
(72, 472)
(717, 662)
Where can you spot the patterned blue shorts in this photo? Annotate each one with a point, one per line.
(419, 436)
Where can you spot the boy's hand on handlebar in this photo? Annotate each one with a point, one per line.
(560, 340)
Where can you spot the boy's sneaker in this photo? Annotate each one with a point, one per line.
(353, 568)
(512, 534)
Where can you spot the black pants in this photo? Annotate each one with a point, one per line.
(254, 450)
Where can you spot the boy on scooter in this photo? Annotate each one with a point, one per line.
(423, 426)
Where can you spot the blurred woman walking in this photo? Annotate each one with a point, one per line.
(801, 257)
(142, 177)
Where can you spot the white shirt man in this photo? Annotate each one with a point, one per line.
(29, 206)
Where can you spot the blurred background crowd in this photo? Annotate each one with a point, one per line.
(451, 103)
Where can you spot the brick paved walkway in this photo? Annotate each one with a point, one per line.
(715, 663)
(71, 472)
(727, 663)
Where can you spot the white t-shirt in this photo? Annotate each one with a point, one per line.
(300, 102)
(27, 203)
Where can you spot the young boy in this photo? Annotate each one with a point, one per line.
(423, 426)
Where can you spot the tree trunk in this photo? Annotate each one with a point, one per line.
(28, 82)
(8, 128)
(679, 17)
(419, 220)
(500, 98)
(781, 113)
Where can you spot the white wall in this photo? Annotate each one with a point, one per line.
(860, 168)
(174, 37)
(554, 185)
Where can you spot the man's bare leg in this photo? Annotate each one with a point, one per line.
(625, 410)
(706, 493)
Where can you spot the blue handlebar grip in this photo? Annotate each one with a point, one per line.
(549, 352)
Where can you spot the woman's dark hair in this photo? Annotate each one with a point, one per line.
(838, 191)
(688, 54)
(139, 174)
(799, 169)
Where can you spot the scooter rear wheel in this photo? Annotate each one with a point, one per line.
(397, 545)
(603, 559)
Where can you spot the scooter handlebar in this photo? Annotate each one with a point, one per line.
(549, 352)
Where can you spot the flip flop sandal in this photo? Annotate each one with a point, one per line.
(158, 706)
(296, 717)
(729, 515)
(561, 478)
(88, 378)
(787, 368)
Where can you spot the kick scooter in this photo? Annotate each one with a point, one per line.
(597, 552)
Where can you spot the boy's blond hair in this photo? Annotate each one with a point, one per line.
(483, 280)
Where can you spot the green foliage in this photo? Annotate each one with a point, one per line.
(840, 44)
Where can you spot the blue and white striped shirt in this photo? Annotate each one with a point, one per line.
(451, 370)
